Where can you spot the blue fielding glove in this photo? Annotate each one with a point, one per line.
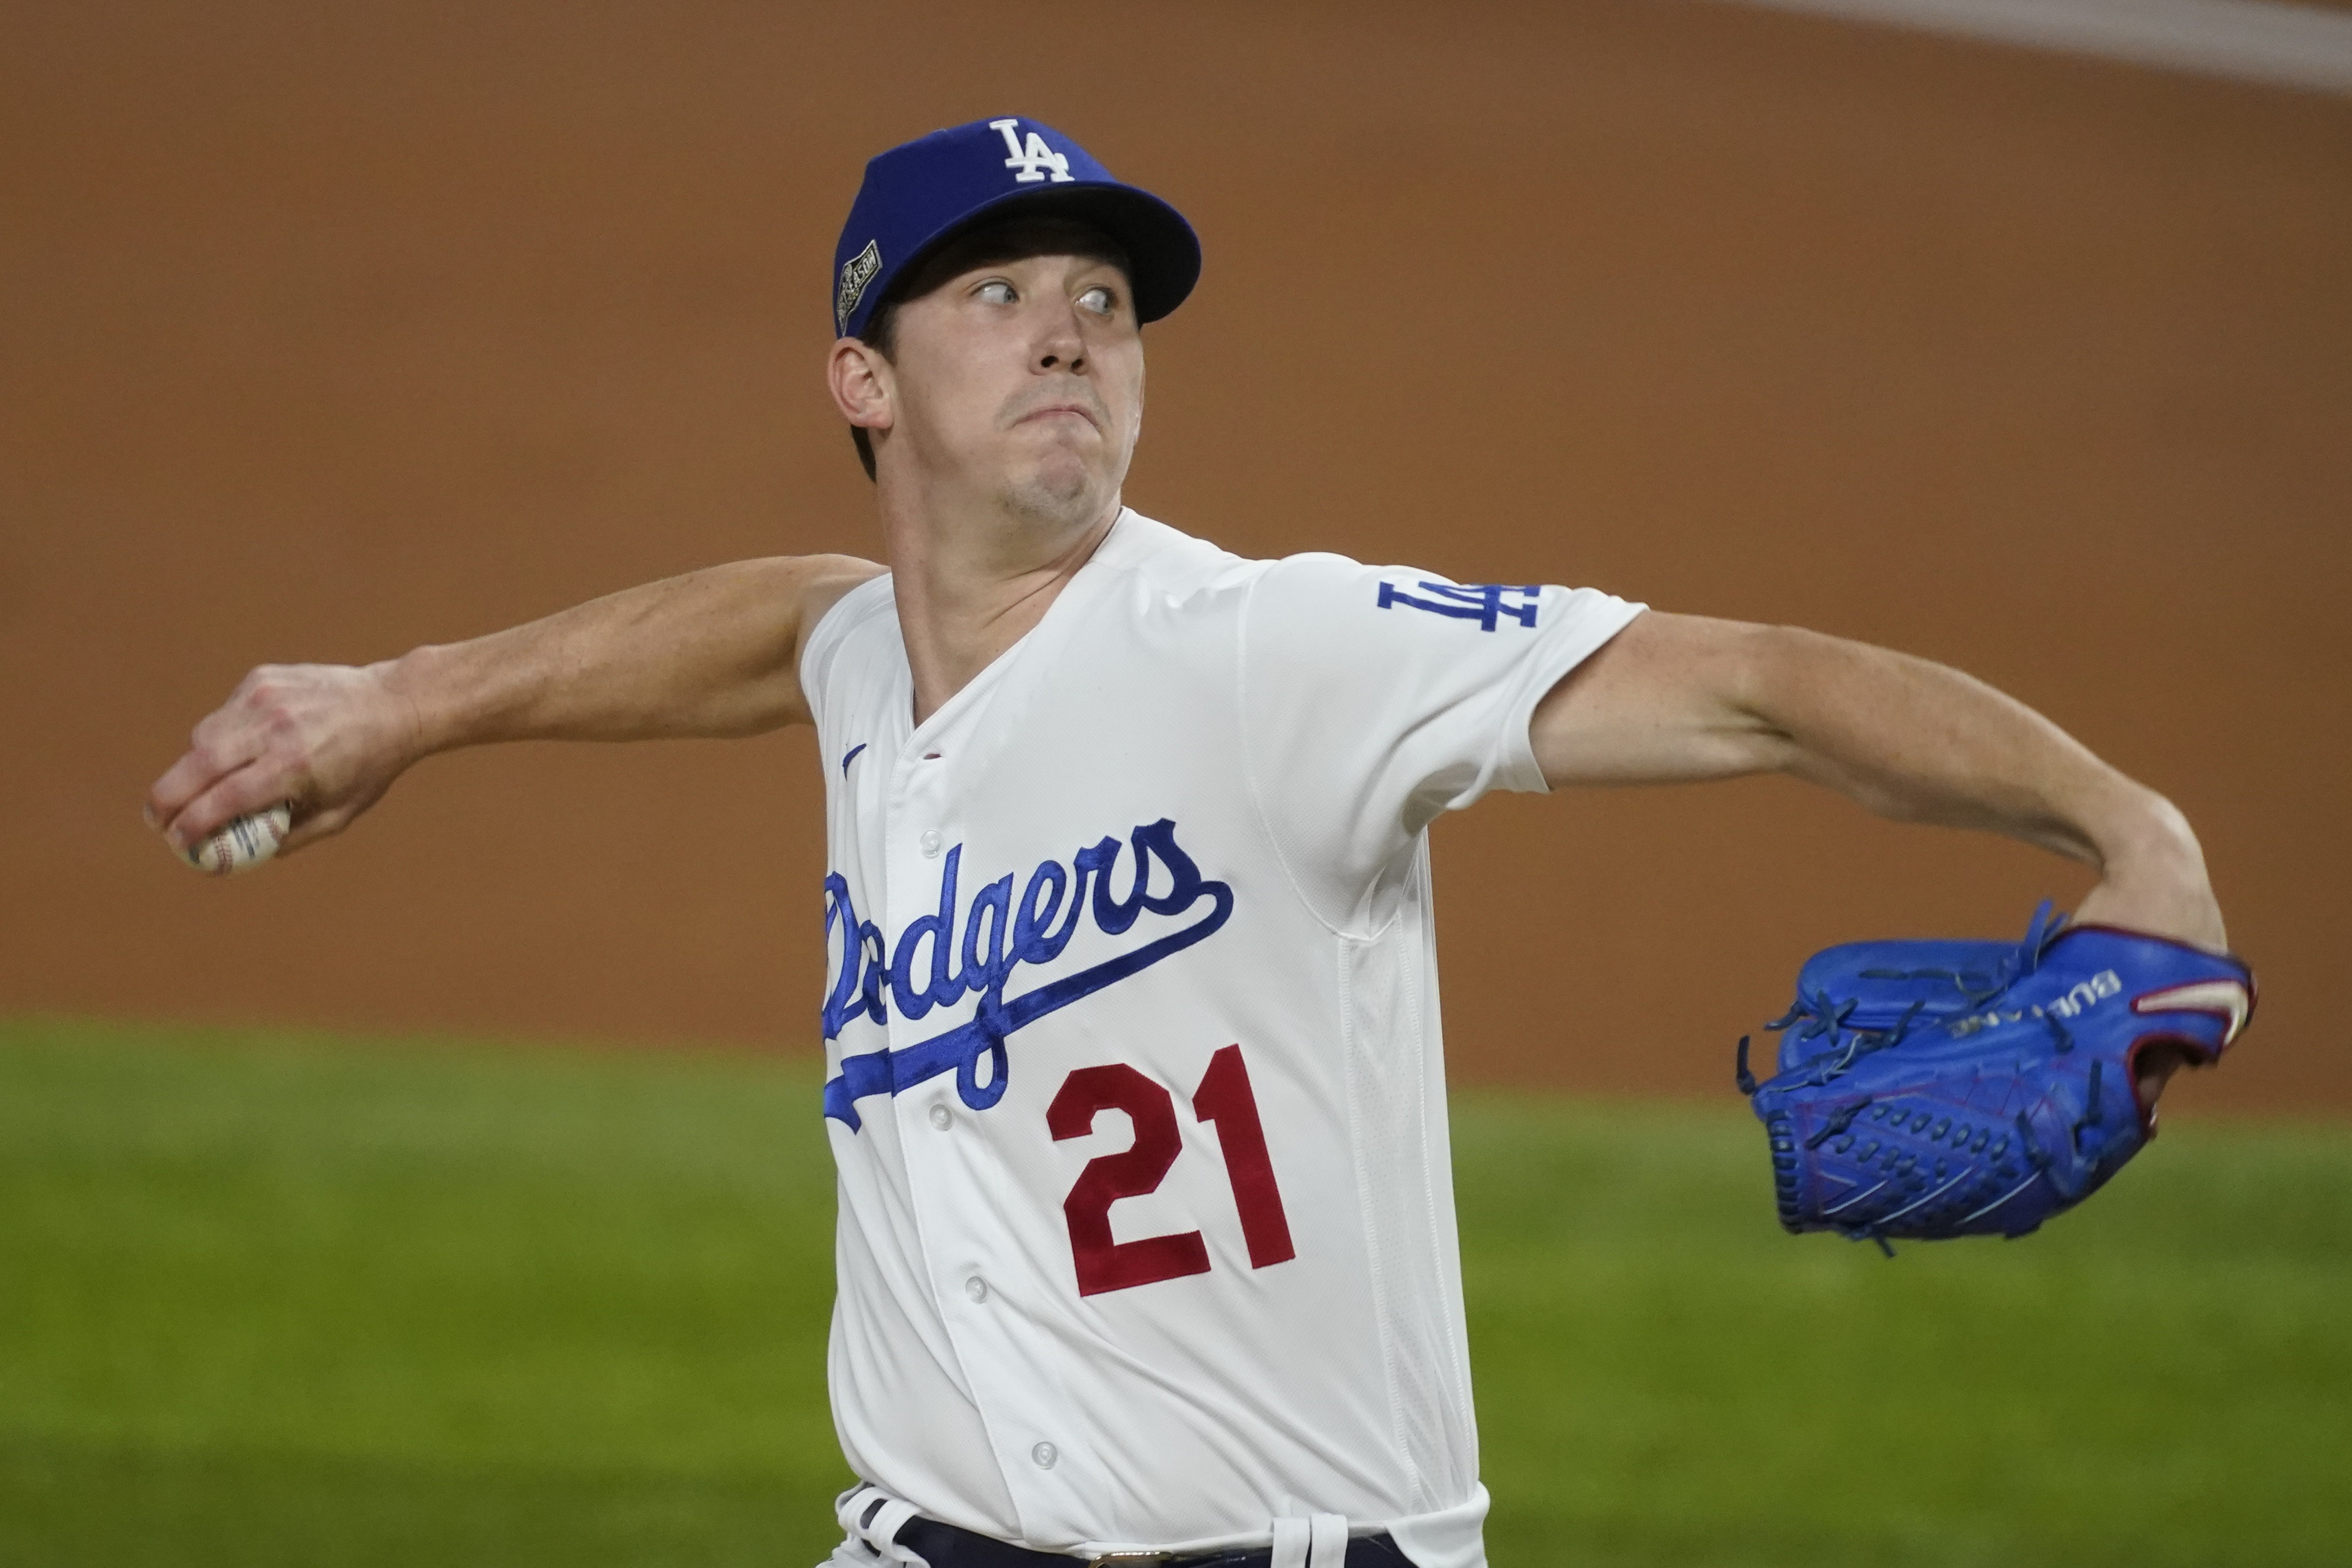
(1869, 989)
(1900, 1111)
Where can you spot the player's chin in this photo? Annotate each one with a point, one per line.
(1062, 473)
(1058, 491)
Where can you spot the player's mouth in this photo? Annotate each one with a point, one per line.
(1054, 410)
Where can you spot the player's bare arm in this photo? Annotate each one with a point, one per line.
(1677, 698)
(711, 654)
(1683, 698)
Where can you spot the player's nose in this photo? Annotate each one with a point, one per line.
(1061, 343)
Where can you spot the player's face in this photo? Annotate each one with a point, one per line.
(1023, 381)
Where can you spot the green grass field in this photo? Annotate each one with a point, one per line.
(268, 1301)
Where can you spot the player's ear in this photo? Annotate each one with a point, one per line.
(861, 383)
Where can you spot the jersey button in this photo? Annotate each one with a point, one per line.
(942, 1118)
(931, 842)
(977, 1289)
(1044, 1455)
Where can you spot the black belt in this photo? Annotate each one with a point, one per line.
(946, 1546)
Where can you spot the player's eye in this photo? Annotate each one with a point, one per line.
(1099, 299)
(996, 291)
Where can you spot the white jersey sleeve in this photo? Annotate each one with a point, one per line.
(1376, 697)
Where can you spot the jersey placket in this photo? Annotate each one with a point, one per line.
(963, 1196)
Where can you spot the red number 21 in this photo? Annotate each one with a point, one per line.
(1225, 1098)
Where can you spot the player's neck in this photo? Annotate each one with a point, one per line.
(969, 587)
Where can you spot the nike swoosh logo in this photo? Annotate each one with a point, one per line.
(2227, 999)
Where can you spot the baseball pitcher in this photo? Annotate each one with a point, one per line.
(1134, 1074)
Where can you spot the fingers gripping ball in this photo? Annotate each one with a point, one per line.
(242, 844)
(1932, 1089)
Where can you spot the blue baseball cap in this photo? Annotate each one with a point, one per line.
(922, 193)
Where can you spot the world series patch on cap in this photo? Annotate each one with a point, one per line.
(922, 193)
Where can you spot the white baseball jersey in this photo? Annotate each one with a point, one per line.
(1133, 1071)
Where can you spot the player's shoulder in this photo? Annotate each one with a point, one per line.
(841, 581)
(840, 594)
(827, 580)
(1169, 558)
(1311, 570)
(1300, 594)
(1169, 561)
(1313, 585)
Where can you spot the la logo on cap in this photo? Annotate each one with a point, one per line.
(1036, 159)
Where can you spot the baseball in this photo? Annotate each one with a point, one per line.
(242, 844)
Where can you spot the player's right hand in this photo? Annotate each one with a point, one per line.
(331, 738)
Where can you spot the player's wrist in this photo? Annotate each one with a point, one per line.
(422, 711)
(2145, 838)
(2153, 876)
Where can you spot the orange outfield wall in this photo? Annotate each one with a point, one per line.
(330, 331)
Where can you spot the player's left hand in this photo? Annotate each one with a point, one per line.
(2158, 887)
(1929, 1088)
